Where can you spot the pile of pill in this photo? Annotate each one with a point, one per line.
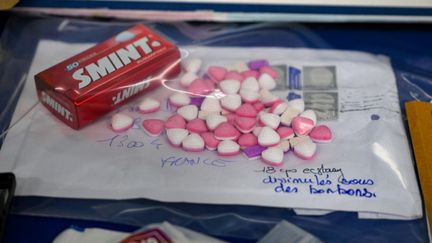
(232, 110)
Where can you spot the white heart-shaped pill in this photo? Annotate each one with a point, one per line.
(188, 112)
(249, 96)
(192, 65)
(149, 105)
(309, 114)
(213, 120)
(230, 86)
(305, 149)
(187, 79)
(121, 122)
(231, 102)
(284, 145)
(279, 108)
(211, 104)
(250, 84)
(179, 99)
(266, 81)
(228, 148)
(256, 131)
(296, 140)
(176, 135)
(271, 120)
(203, 114)
(267, 98)
(193, 143)
(297, 104)
(273, 156)
(288, 115)
(268, 137)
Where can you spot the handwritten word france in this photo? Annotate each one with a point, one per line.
(317, 181)
(177, 161)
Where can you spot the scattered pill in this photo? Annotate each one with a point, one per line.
(250, 73)
(201, 87)
(245, 124)
(193, 143)
(302, 125)
(188, 112)
(149, 105)
(246, 110)
(210, 140)
(228, 148)
(273, 156)
(230, 86)
(278, 107)
(271, 120)
(268, 137)
(305, 149)
(197, 126)
(309, 114)
(211, 104)
(297, 104)
(266, 81)
(175, 121)
(179, 99)
(257, 130)
(321, 134)
(213, 120)
(288, 115)
(250, 84)
(231, 102)
(188, 78)
(270, 71)
(249, 96)
(153, 127)
(216, 73)
(176, 136)
(284, 145)
(121, 122)
(247, 140)
(234, 75)
(285, 132)
(192, 65)
(226, 131)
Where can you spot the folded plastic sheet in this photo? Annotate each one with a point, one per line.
(208, 34)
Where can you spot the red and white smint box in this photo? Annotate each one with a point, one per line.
(86, 86)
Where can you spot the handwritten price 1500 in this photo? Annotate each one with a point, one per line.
(123, 141)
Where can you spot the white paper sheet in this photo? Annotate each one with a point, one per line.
(370, 146)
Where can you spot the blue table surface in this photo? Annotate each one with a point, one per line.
(409, 48)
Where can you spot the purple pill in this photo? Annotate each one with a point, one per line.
(254, 152)
(257, 64)
(197, 101)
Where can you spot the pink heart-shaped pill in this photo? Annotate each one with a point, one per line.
(302, 125)
(309, 114)
(271, 120)
(179, 99)
(188, 112)
(229, 86)
(234, 75)
(211, 104)
(231, 118)
(216, 73)
(278, 107)
(272, 156)
(121, 122)
(226, 131)
(193, 143)
(250, 73)
(249, 96)
(214, 119)
(149, 105)
(247, 140)
(228, 148)
(246, 110)
(305, 149)
(176, 136)
(321, 134)
(231, 102)
(270, 71)
(258, 106)
(250, 84)
(285, 132)
(175, 121)
(245, 124)
(200, 87)
(192, 65)
(268, 137)
(188, 78)
(153, 127)
(210, 140)
(197, 126)
(266, 82)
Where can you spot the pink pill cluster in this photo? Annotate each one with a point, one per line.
(232, 110)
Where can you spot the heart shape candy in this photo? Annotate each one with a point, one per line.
(201, 87)
(193, 143)
(297, 104)
(228, 148)
(210, 140)
(302, 125)
(188, 78)
(250, 84)
(270, 71)
(273, 156)
(266, 82)
(247, 140)
(285, 132)
(231, 118)
(321, 134)
(257, 131)
(231, 102)
(246, 110)
(216, 73)
(188, 112)
(149, 105)
(288, 115)
(211, 104)
(250, 73)
(270, 120)
(234, 75)
(258, 106)
(176, 136)
(249, 96)
(226, 131)
(268, 137)
(179, 99)
(229, 86)
(284, 145)
(305, 149)
(245, 124)
(153, 127)
(309, 114)
(121, 122)
(197, 126)
(192, 65)
(213, 120)
(175, 121)
(278, 107)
